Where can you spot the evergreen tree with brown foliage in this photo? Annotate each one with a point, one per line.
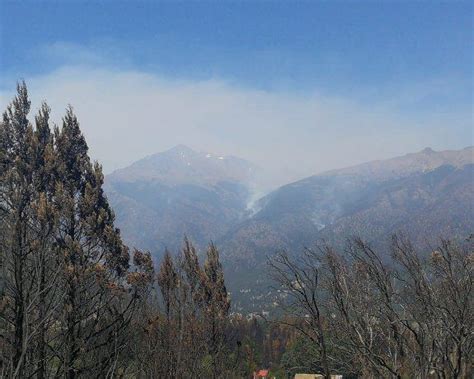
(66, 299)
(217, 305)
(18, 243)
(94, 258)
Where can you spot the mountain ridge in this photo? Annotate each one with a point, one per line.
(426, 159)
(165, 196)
(180, 165)
(427, 194)
(300, 211)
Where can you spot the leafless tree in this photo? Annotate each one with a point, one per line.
(404, 314)
(300, 279)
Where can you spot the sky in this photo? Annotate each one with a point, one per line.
(296, 87)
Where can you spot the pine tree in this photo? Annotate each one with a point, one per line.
(168, 283)
(94, 258)
(193, 276)
(44, 222)
(16, 193)
(193, 273)
(217, 305)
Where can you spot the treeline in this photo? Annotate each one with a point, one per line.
(364, 314)
(184, 335)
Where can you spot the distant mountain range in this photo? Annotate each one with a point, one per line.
(160, 198)
(374, 199)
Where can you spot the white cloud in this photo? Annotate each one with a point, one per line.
(127, 115)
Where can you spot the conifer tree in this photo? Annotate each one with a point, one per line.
(44, 222)
(94, 258)
(16, 192)
(65, 296)
(193, 273)
(27, 224)
(168, 282)
(217, 305)
(193, 276)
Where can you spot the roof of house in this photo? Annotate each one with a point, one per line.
(262, 373)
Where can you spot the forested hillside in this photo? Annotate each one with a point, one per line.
(158, 200)
(422, 196)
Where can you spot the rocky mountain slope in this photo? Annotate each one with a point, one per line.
(425, 195)
(163, 197)
(372, 199)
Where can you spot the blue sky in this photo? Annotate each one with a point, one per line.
(298, 44)
(411, 60)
